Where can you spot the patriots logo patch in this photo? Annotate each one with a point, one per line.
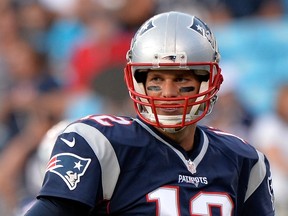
(69, 167)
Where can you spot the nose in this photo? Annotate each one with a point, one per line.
(169, 89)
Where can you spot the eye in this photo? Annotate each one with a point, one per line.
(155, 79)
(182, 79)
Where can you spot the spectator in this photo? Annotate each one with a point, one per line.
(29, 110)
(270, 133)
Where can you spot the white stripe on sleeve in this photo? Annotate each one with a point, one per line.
(257, 175)
(103, 151)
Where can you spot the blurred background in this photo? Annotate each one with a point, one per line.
(62, 60)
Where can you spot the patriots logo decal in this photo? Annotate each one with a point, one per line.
(203, 30)
(69, 167)
(145, 27)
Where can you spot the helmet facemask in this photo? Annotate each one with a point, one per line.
(199, 105)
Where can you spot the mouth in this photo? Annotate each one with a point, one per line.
(169, 109)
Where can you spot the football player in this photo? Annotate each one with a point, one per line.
(161, 162)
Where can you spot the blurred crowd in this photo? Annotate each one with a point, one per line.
(63, 59)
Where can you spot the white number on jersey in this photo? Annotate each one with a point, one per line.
(167, 202)
(108, 120)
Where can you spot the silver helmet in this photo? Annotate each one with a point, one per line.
(173, 41)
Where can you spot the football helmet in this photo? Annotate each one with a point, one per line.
(173, 41)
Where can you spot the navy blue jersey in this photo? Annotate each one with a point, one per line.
(121, 166)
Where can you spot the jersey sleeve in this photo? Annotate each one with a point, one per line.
(47, 206)
(259, 198)
(74, 169)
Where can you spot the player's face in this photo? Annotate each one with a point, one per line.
(171, 84)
